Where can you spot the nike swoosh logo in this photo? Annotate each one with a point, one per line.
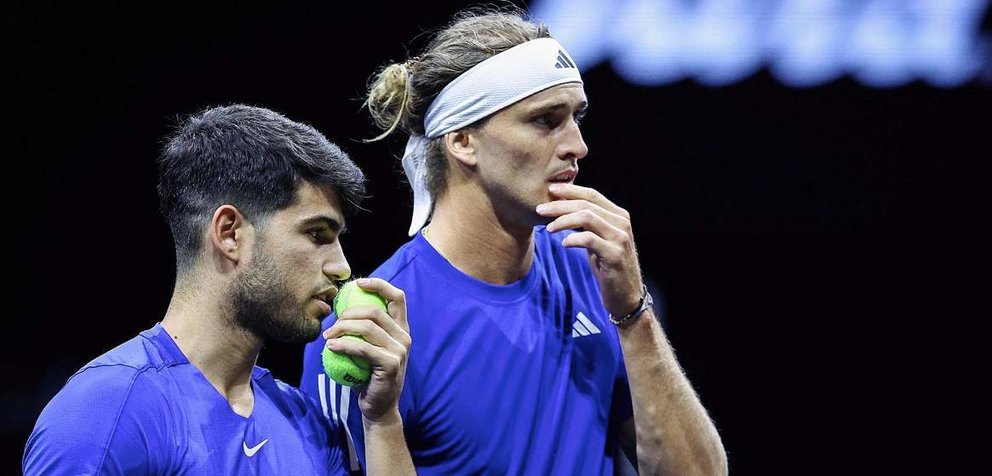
(249, 452)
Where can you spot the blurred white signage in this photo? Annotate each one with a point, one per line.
(802, 43)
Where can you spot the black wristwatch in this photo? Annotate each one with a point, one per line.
(646, 302)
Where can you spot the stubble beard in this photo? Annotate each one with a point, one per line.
(262, 304)
(518, 203)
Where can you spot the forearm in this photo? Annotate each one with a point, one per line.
(674, 434)
(386, 452)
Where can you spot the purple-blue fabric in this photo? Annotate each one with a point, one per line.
(501, 379)
(142, 408)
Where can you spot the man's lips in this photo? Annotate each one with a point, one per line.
(326, 299)
(325, 307)
(564, 176)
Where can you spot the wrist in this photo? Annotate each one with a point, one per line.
(645, 303)
(388, 419)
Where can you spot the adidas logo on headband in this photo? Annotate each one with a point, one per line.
(563, 61)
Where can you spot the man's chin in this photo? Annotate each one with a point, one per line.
(311, 334)
(312, 328)
(307, 332)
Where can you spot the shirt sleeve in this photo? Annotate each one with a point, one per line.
(94, 425)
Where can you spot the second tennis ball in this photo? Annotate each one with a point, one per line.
(345, 369)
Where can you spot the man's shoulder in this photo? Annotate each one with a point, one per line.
(140, 353)
(99, 408)
(401, 261)
(112, 378)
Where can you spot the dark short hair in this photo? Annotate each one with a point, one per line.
(249, 157)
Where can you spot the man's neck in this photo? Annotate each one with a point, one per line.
(478, 244)
(224, 354)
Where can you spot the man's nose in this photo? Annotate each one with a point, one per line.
(336, 265)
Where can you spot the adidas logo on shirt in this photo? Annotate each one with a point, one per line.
(563, 61)
(583, 326)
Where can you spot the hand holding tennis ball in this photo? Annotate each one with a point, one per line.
(345, 369)
(384, 345)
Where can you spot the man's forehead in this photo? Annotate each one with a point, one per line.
(570, 94)
(308, 192)
(315, 203)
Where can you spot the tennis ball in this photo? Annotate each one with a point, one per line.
(345, 369)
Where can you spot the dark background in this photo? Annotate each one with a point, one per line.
(821, 252)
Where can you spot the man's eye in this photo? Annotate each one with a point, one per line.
(321, 236)
(543, 119)
(579, 116)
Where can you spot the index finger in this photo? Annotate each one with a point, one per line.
(395, 297)
(578, 192)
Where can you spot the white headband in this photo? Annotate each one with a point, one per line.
(484, 89)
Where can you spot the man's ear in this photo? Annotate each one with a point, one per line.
(461, 145)
(228, 232)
